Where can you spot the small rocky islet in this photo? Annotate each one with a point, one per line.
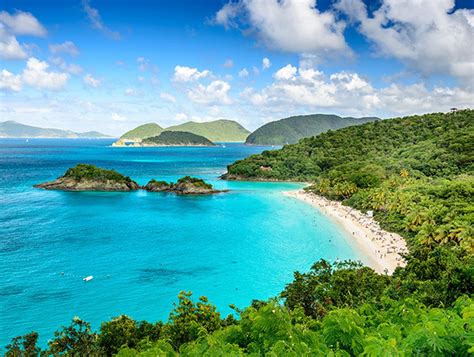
(86, 177)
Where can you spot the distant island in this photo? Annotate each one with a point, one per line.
(86, 177)
(175, 138)
(291, 130)
(13, 129)
(214, 131)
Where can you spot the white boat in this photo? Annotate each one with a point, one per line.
(88, 278)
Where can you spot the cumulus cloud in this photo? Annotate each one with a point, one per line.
(188, 74)
(266, 63)
(117, 117)
(348, 92)
(217, 92)
(9, 82)
(96, 21)
(243, 73)
(67, 47)
(168, 97)
(20, 23)
(291, 26)
(181, 117)
(90, 81)
(426, 35)
(66, 67)
(36, 74)
(10, 48)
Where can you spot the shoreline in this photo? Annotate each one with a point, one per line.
(380, 249)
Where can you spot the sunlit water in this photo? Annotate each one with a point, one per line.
(143, 248)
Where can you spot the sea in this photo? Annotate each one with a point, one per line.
(143, 248)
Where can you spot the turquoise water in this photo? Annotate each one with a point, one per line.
(143, 248)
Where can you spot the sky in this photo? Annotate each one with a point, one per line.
(110, 65)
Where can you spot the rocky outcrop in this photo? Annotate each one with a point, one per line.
(85, 177)
(184, 186)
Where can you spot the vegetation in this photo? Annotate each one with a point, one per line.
(142, 132)
(180, 138)
(186, 185)
(416, 173)
(13, 129)
(94, 173)
(292, 129)
(216, 131)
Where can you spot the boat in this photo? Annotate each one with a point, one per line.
(88, 278)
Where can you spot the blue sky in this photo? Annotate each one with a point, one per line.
(111, 65)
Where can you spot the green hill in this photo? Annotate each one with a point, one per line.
(141, 132)
(13, 129)
(291, 130)
(177, 138)
(216, 131)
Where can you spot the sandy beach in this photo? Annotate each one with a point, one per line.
(380, 249)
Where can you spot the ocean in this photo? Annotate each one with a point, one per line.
(144, 248)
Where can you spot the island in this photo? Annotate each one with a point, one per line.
(176, 138)
(184, 186)
(85, 177)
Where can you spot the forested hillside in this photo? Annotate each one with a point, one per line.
(292, 129)
(416, 173)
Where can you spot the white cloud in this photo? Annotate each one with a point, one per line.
(118, 117)
(292, 26)
(285, 73)
(91, 81)
(243, 73)
(217, 92)
(348, 93)
(66, 47)
(10, 82)
(22, 23)
(36, 74)
(426, 35)
(181, 117)
(132, 92)
(228, 63)
(96, 21)
(266, 63)
(67, 67)
(255, 70)
(168, 97)
(188, 74)
(10, 49)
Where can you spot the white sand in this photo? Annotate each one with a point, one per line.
(380, 249)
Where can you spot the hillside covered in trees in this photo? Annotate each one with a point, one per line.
(292, 129)
(416, 173)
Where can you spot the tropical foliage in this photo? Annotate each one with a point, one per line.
(177, 138)
(91, 172)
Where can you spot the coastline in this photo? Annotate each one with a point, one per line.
(380, 249)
